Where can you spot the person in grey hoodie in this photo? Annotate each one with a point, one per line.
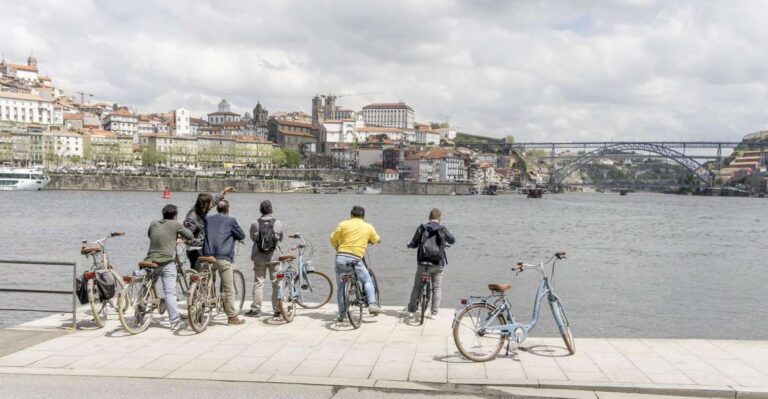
(428, 266)
(265, 261)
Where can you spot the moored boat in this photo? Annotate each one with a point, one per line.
(22, 179)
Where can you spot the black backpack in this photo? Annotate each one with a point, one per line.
(266, 240)
(430, 247)
(82, 290)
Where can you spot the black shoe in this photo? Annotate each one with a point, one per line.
(277, 314)
(253, 313)
(341, 319)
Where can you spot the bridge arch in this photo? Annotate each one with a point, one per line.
(692, 165)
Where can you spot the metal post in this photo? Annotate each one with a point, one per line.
(719, 156)
(74, 295)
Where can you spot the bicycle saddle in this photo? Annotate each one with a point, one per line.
(85, 250)
(286, 258)
(147, 264)
(499, 287)
(206, 259)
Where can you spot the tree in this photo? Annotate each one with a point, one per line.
(536, 154)
(150, 157)
(279, 158)
(292, 157)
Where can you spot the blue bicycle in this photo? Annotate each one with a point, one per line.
(482, 325)
(301, 285)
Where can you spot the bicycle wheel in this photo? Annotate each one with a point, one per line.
(134, 306)
(238, 281)
(287, 305)
(562, 324)
(316, 291)
(375, 286)
(98, 308)
(199, 309)
(353, 299)
(471, 340)
(426, 288)
(182, 284)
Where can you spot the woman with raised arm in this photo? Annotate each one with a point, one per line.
(195, 221)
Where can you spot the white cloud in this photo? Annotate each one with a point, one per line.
(630, 69)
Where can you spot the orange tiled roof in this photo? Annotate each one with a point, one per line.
(22, 67)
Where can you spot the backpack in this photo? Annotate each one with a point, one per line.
(266, 240)
(105, 284)
(430, 247)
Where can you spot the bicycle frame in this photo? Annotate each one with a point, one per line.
(301, 269)
(101, 260)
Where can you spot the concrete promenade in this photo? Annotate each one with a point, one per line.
(390, 352)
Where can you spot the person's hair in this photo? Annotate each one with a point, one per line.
(170, 211)
(203, 203)
(223, 206)
(435, 214)
(358, 212)
(265, 207)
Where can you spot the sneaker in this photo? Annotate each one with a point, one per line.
(374, 309)
(277, 314)
(253, 313)
(235, 321)
(178, 325)
(432, 316)
(341, 319)
(408, 315)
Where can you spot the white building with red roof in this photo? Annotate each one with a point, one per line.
(397, 115)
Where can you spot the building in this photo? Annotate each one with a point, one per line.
(122, 122)
(108, 149)
(179, 122)
(27, 73)
(195, 124)
(253, 152)
(25, 108)
(436, 165)
(62, 148)
(426, 136)
(73, 121)
(398, 115)
(293, 135)
(389, 175)
(215, 151)
(393, 134)
(323, 108)
(27, 148)
(223, 115)
(335, 132)
(260, 115)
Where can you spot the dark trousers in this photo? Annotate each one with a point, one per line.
(436, 272)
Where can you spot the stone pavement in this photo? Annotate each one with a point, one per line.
(390, 352)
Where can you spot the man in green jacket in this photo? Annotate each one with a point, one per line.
(162, 250)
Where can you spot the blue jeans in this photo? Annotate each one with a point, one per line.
(167, 275)
(362, 275)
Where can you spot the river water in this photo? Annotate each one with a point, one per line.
(642, 265)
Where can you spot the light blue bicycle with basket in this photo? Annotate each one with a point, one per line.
(481, 325)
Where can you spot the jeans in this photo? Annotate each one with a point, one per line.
(227, 276)
(436, 273)
(260, 271)
(167, 275)
(362, 275)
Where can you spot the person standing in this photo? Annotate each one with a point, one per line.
(266, 233)
(195, 221)
(430, 239)
(162, 250)
(221, 232)
(350, 239)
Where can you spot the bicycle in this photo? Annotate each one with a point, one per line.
(354, 294)
(301, 285)
(137, 303)
(203, 297)
(425, 295)
(98, 252)
(491, 322)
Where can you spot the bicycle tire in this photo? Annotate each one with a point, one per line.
(424, 300)
(287, 305)
(133, 308)
(565, 328)
(98, 308)
(322, 280)
(375, 286)
(199, 311)
(238, 281)
(474, 353)
(354, 303)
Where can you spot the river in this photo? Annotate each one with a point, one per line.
(642, 265)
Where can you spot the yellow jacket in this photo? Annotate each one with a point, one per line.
(352, 237)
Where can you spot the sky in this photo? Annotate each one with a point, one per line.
(538, 70)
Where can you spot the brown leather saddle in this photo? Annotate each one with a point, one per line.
(499, 287)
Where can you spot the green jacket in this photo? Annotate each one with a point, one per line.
(162, 240)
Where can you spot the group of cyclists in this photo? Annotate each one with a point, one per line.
(215, 235)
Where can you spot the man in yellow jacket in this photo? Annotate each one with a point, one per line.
(350, 239)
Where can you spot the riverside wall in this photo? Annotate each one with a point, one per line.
(242, 185)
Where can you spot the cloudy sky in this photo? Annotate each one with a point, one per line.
(539, 70)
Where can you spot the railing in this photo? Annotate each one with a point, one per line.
(72, 291)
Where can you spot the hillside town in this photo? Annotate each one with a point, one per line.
(41, 126)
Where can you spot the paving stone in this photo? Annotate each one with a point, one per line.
(315, 368)
(241, 364)
(352, 371)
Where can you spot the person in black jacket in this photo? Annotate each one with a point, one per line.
(195, 222)
(431, 239)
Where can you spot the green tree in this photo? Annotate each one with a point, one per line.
(150, 157)
(279, 158)
(536, 154)
(292, 157)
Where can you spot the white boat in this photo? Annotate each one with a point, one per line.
(22, 179)
(368, 190)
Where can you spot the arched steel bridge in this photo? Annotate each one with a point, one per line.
(666, 149)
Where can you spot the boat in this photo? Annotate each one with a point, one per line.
(23, 179)
(535, 193)
(368, 190)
